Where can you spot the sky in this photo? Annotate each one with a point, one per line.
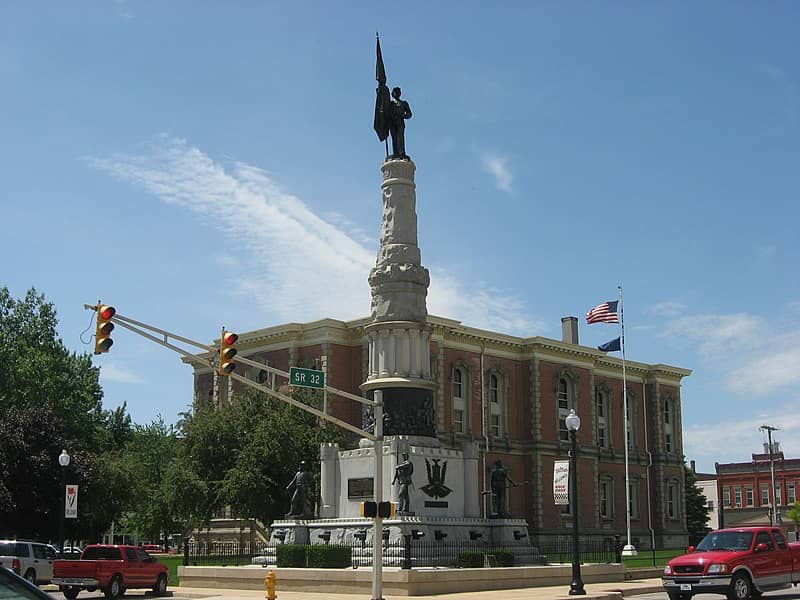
(209, 164)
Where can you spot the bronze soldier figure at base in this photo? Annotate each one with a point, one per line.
(302, 485)
(402, 475)
(501, 481)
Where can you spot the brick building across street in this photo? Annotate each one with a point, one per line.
(744, 489)
(511, 396)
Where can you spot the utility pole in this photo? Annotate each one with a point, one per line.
(769, 429)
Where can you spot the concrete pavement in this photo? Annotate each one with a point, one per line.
(594, 591)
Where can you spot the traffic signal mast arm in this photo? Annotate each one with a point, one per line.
(137, 327)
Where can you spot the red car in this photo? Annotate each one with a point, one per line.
(112, 569)
(739, 563)
(152, 548)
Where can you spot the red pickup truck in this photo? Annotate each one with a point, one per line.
(739, 563)
(112, 569)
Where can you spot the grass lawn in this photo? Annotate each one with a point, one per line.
(172, 562)
(645, 558)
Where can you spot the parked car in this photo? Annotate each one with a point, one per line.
(152, 548)
(31, 560)
(14, 587)
(112, 569)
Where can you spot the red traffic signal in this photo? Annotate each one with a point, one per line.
(102, 335)
(227, 350)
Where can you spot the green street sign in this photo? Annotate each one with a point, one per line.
(306, 377)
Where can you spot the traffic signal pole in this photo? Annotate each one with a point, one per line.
(376, 436)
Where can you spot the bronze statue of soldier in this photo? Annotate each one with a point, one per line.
(390, 112)
(501, 481)
(402, 475)
(302, 484)
(398, 113)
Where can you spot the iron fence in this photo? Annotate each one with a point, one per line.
(407, 553)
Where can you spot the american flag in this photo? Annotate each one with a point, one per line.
(603, 313)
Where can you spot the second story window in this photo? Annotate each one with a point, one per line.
(496, 404)
(459, 402)
(564, 404)
(601, 410)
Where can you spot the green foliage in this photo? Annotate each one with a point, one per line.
(505, 558)
(323, 556)
(51, 399)
(696, 505)
(290, 555)
(794, 514)
(247, 452)
(470, 559)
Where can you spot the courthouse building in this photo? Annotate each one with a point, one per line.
(509, 396)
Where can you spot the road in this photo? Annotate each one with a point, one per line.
(790, 594)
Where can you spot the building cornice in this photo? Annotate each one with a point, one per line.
(454, 334)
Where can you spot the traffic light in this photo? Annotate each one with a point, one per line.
(369, 509)
(227, 350)
(102, 335)
(386, 509)
(383, 509)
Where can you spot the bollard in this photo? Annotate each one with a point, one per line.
(269, 585)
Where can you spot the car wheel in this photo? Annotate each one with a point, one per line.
(114, 589)
(741, 588)
(30, 575)
(70, 593)
(160, 588)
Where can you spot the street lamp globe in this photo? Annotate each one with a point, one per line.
(63, 458)
(573, 420)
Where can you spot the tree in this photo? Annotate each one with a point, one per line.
(246, 452)
(696, 505)
(794, 514)
(148, 460)
(51, 399)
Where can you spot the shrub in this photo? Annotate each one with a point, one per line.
(469, 559)
(290, 555)
(328, 556)
(505, 558)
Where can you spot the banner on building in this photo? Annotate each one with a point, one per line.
(71, 502)
(561, 482)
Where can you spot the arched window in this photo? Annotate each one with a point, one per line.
(602, 408)
(673, 499)
(565, 399)
(606, 497)
(497, 402)
(630, 421)
(669, 424)
(458, 394)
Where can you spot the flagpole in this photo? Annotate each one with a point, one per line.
(629, 549)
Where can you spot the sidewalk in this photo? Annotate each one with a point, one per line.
(594, 591)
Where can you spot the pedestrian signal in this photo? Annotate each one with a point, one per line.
(227, 350)
(102, 336)
(369, 509)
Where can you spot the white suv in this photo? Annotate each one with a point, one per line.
(32, 560)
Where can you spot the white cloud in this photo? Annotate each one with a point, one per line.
(295, 264)
(717, 337)
(755, 356)
(110, 372)
(768, 373)
(667, 309)
(497, 166)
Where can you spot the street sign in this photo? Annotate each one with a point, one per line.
(306, 377)
(71, 502)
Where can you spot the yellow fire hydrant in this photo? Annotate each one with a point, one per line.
(269, 585)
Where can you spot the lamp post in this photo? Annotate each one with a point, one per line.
(576, 586)
(63, 460)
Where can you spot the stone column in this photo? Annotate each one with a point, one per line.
(398, 334)
(329, 456)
